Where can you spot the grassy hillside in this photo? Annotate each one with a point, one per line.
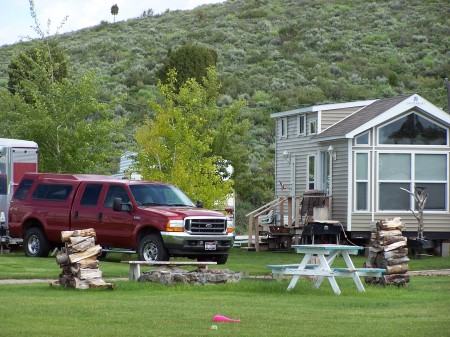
(277, 54)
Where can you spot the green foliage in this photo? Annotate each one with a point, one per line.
(188, 141)
(189, 61)
(37, 68)
(75, 132)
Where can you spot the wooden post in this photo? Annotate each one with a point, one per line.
(257, 234)
(250, 231)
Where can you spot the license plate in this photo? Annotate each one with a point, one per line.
(210, 246)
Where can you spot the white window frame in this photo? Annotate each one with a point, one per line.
(310, 126)
(367, 181)
(409, 145)
(314, 181)
(411, 181)
(360, 135)
(301, 125)
(282, 128)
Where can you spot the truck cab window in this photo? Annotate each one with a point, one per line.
(115, 191)
(51, 192)
(23, 189)
(91, 194)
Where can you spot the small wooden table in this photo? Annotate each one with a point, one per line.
(326, 255)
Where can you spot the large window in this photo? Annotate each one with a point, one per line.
(412, 129)
(409, 171)
(362, 182)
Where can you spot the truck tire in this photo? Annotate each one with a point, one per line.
(151, 248)
(35, 243)
(220, 259)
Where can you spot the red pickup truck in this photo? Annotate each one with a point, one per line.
(154, 219)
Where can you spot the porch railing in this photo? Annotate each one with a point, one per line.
(267, 214)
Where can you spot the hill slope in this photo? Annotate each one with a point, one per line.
(278, 54)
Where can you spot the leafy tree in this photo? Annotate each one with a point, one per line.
(75, 133)
(37, 68)
(188, 142)
(190, 61)
(114, 11)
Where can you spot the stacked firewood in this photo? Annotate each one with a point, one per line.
(388, 251)
(78, 260)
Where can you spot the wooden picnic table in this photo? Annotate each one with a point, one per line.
(326, 255)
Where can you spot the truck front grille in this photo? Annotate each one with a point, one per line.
(206, 225)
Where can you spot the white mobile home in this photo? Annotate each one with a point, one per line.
(361, 154)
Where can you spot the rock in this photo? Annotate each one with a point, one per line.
(181, 276)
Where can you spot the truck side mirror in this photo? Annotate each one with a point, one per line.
(199, 204)
(120, 207)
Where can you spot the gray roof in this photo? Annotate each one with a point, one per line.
(360, 117)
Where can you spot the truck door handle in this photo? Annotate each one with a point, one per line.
(100, 215)
(76, 215)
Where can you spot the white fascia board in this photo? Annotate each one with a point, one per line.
(315, 108)
(328, 139)
(291, 112)
(414, 101)
(350, 185)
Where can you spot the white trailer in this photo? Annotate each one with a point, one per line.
(17, 157)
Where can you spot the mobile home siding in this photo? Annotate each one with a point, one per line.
(340, 190)
(298, 147)
(331, 117)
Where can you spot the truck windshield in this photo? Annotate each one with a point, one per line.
(159, 195)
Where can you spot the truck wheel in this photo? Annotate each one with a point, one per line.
(35, 243)
(220, 259)
(151, 248)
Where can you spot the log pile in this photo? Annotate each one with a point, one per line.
(388, 251)
(78, 260)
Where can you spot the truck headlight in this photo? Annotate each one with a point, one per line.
(230, 225)
(175, 226)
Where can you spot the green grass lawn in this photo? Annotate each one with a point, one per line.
(264, 307)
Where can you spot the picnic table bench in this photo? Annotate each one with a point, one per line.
(326, 255)
(135, 266)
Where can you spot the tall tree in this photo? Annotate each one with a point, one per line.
(114, 11)
(37, 68)
(75, 133)
(190, 61)
(184, 144)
